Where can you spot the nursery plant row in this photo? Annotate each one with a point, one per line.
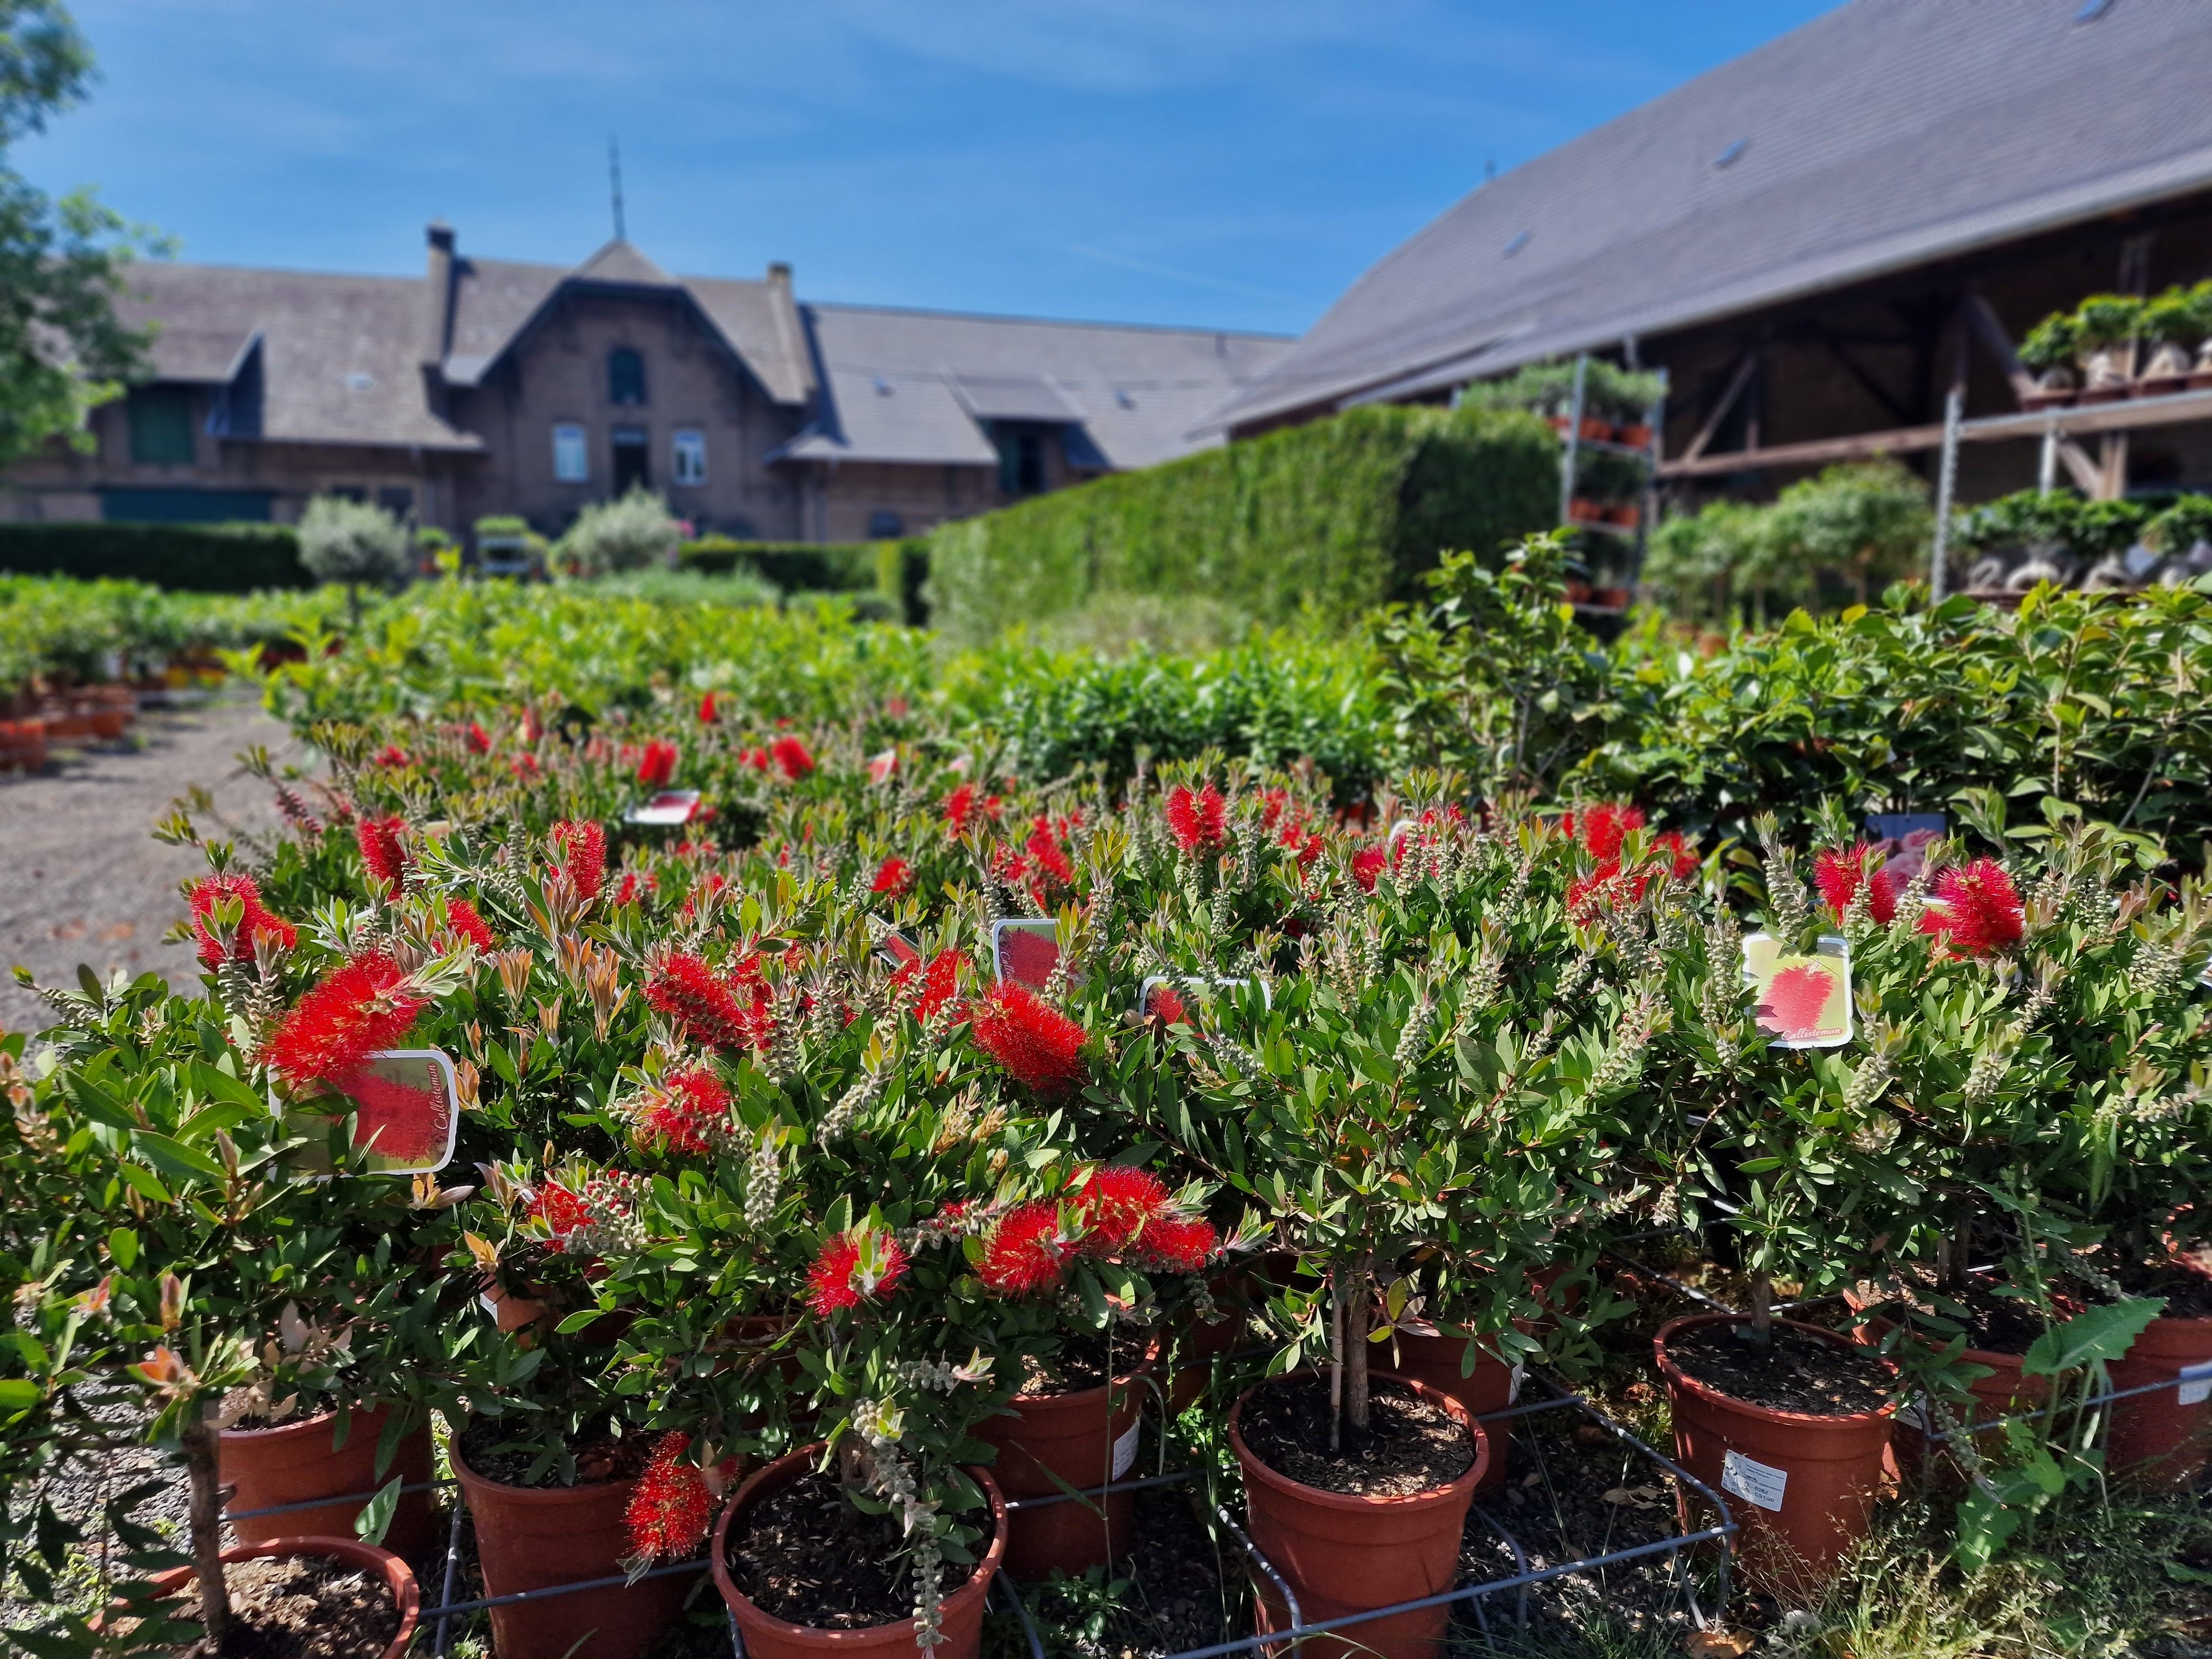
(777, 1132)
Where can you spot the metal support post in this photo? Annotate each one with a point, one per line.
(1570, 457)
(1947, 479)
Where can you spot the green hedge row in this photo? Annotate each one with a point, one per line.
(1338, 515)
(189, 557)
(893, 570)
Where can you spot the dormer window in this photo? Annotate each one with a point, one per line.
(625, 376)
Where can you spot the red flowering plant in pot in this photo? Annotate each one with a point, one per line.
(1399, 1104)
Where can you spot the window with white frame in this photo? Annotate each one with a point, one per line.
(689, 465)
(571, 461)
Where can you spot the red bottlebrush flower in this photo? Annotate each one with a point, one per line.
(1025, 1253)
(1165, 1006)
(709, 1009)
(1795, 1000)
(581, 848)
(854, 1267)
(391, 755)
(1199, 821)
(1366, 865)
(461, 918)
(755, 758)
(1037, 1043)
(681, 1116)
(1675, 854)
(633, 886)
(792, 757)
(381, 850)
(707, 711)
(960, 810)
(478, 740)
(894, 877)
(1604, 828)
(1980, 910)
(586, 1219)
(1116, 1204)
(940, 981)
(254, 923)
(671, 1505)
(1047, 858)
(658, 764)
(524, 767)
(1608, 887)
(357, 1009)
(1838, 876)
(1177, 1244)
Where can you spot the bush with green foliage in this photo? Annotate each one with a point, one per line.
(356, 542)
(1333, 517)
(1610, 392)
(233, 558)
(632, 533)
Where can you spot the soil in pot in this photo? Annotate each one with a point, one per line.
(1491, 1386)
(805, 1574)
(1794, 1431)
(299, 1607)
(1069, 1428)
(1374, 1522)
(538, 1536)
(2164, 1435)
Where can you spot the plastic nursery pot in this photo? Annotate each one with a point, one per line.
(960, 1619)
(1199, 1344)
(532, 1538)
(1343, 1553)
(398, 1578)
(1802, 1487)
(1053, 1443)
(2161, 1437)
(2003, 1393)
(294, 1462)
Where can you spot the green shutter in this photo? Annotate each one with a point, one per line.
(162, 426)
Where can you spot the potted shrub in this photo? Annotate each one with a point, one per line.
(2106, 328)
(2048, 353)
(2174, 323)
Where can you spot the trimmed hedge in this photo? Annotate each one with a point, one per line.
(893, 570)
(192, 558)
(1338, 515)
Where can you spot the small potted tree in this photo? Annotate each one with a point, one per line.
(2107, 327)
(2174, 323)
(2048, 353)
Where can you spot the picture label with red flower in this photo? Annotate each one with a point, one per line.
(405, 1113)
(1025, 949)
(1804, 1002)
(1903, 840)
(667, 807)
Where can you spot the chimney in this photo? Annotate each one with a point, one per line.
(438, 308)
(791, 333)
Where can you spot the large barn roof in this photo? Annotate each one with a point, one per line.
(1881, 136)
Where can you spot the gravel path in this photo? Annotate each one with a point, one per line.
(83, 880)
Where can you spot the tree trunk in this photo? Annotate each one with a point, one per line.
(1335, 1356)
(198, 1439)
(1356, 1311)
(1762, 1308)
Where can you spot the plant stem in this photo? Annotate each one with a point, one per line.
(1335, 1355)
(1762, 1307)
(1355, 1350)
(198, 1440)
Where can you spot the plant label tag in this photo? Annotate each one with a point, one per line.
(1761, 1483)
(2195, 1384)
(1025, 949)
(1169, 1000)
(1804, 1002)
(405, 1113)
(1125, 1450)
(1513, 1387)
(669, 806)
(1902, 839)
(896, 949)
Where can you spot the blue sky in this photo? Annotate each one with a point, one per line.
(1233, 163)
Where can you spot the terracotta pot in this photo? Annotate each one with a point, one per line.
(1056, 1441)
(1491, 1385)
(2161, 1437)
(1638, 436)
(961, 1621)
(1585, 512)
(2003, 1393)
(2168, 372)
(1812, 1479)
(533, 1537)
(1596, 431)
(1199, 1345)
(398, 1578)
(1343, 1554)
(295, 1462)
(1624, 516)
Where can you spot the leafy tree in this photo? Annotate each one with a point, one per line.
(354, 543)
(1868, 522)
(63, 349)
(634, 533)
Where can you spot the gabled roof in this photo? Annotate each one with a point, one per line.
(912, 385)
(619, 262)
(341, 355)
(763, 327)
(1882, 135)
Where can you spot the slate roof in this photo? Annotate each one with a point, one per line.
(910, 385)
(341, 355)
(1878, 136)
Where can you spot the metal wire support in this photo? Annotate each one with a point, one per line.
(1006, 1587)
(453, 1570)
(1570, 456)
(1253, 1552)
(1520, 1564)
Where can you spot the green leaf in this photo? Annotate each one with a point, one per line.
(19, 1395)
(174, 1157)
(2182, 1573)
(2104, 1333)
(375, 1516)
(577, 1321)
(123, 1245)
